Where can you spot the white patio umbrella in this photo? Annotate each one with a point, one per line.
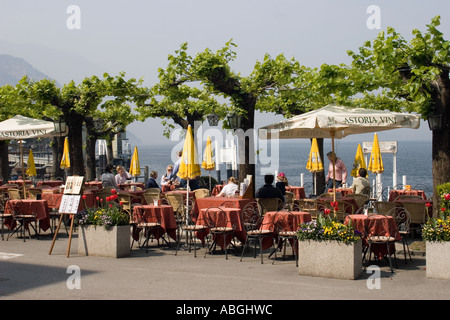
(20, 128)
(336, 122)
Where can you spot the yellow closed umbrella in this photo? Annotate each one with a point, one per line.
(376, 162)
(314, 163)
(208, 162)
(189, 166)
(65, 160)
(135, 167)
(359, 161)
(31, 168)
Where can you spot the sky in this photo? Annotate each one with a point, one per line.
(70, 40)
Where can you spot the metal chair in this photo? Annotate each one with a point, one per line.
(228, 204)
(256, 229)
(403, 221)
(23, 219)
(379, 237)
(148, 222)
(360, 199)
(289, 199)
(219, 225)
(184, 223)
(4, 216)
(418, 212)
(285, 232)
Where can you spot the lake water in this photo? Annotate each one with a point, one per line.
(413, 161)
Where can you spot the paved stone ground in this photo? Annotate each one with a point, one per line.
(28, 272)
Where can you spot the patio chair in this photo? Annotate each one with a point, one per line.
(219, 225)
(289, 199)
(408, 197)
(384, 207)
(418, 212)
(403, 221)
(379, 236)
(23, 220)
(201, 193)
(256, 229)
(286, 232)
(360, 199)
(153, 190)
(191, 229)
(148, 222)
(3, 217)
(269, 204)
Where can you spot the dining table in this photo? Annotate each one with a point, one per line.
(233, 218)
(20, 182)
(299, 192)
(351, 201)
(377, 224)
(271, 218)
(50, 183)
(208, 202)
(342, 191)
(393, 194)
(97, 184)
(164, 213)
(38, 208)
(127, 186)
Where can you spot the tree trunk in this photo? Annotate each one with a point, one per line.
(57, 151)
(76, 145)
(441, 139)
(4, 162)
(90, 157)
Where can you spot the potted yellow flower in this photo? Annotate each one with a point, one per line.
(328, 248)
(104, 230)
(436, 234)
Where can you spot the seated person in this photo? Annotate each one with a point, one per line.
(122, 175)
(360, 182)
(108, 178)
(268, 190)
(165, 179)
(151, 182)
(281, 183)
(230, 189)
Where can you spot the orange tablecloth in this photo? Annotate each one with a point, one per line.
(395, 193)
(54, 200)
(127, 186)
(97, 184)
(29, 206)
(343, 191)
(208, 202)
(50, 183)
(360, 223)
(166, 215)
(272, 217)
(233, 217)
(167, 187)
(299, 192)
(20, 182)
(351, 201)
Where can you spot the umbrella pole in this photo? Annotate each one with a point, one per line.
(187, 202)
(209, 173)
(334, 166)
(23, 170)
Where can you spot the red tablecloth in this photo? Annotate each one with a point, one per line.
(351, 201)
(127, 186)
(233, 218)
(166, 216)
(299, 192)
(272, 217)
(50, 183)
(379, 223)
(29, 206)
(20, 182)
(343, 191)
(54, 200)
(166, 187)
(208, 202)
(97, 184)
(395, 193)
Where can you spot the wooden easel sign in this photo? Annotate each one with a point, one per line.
(70, 203)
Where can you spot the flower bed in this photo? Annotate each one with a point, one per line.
(327, 248)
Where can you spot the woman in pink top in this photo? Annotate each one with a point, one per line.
(340, 172)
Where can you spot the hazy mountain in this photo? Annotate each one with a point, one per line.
(12, 69)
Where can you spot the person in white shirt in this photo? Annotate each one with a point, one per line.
(122, 175)
(230, 189)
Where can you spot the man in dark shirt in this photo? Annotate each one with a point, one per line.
(269, 190)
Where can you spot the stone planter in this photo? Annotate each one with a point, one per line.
(438, 260)
(97, 241)
(330, 259)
